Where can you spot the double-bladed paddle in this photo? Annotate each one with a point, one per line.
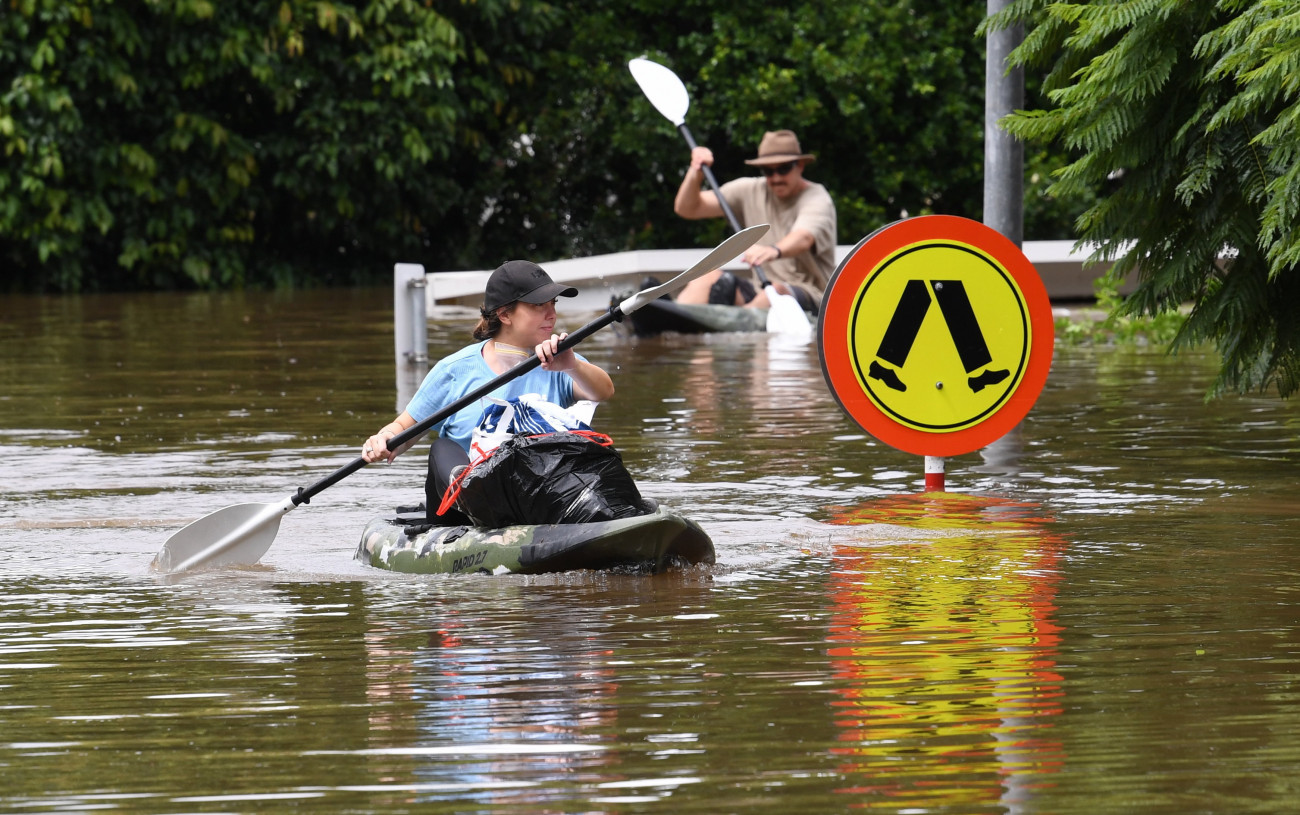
(241, 534)
(668, 95)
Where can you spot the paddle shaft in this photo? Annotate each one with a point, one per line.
(415, 431)
(717, 192)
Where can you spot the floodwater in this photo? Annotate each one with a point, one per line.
(1100, 615)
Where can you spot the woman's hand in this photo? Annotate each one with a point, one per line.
(376, 447)
(589, 381)
(548, 351)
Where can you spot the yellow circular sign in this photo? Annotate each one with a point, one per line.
(936, 335)
(953, 341)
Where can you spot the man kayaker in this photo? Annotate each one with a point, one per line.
(797, 255)
(517, 320)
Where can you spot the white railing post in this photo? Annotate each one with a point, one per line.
(419, 320)
(410, 314)
(410, 329)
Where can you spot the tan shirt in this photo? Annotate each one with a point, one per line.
(811, 210)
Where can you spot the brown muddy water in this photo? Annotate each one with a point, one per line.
(1101, 615)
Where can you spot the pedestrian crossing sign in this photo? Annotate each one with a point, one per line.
(936, 335)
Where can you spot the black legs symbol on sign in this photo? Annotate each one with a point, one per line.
(964, 329)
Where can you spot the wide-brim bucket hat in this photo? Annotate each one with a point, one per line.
(778, 147)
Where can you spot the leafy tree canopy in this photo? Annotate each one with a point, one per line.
(1186, 116)
(152, 143)
(178, 143)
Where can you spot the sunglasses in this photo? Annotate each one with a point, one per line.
(779, 169)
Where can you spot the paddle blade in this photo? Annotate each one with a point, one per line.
(727, 251)
(234, 536)
(785, 315)
(662, 87)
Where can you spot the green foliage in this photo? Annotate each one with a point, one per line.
(1113, 326)
(159, 144)
(1184, 116)
(170, 143)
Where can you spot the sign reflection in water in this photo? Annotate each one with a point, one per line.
(946, 648)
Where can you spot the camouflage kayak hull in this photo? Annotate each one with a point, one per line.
(651, 542)
(661, 316)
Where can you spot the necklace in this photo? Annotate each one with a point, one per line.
(509, 350)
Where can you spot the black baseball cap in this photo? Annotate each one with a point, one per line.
(524, 281)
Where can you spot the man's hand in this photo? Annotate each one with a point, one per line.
(701, 157)
(761, 255)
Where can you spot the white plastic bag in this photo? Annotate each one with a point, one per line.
(528, 415)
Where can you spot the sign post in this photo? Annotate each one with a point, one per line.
(936, 336)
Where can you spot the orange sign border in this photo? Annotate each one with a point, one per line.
(833, 329)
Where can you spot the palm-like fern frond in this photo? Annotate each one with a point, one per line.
(1188, 116)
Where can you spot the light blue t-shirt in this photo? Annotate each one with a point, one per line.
(460, 373)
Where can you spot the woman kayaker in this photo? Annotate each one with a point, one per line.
(517, 321)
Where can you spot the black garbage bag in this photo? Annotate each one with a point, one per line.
(558, 478)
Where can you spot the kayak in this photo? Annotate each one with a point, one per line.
(652, 542)
(661, 316)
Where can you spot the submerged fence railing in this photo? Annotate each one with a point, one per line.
(415, 291)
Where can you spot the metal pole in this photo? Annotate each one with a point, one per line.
(419, 320)
(410, 329)
(405, 277)
(1004, 155)
(934, 474)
